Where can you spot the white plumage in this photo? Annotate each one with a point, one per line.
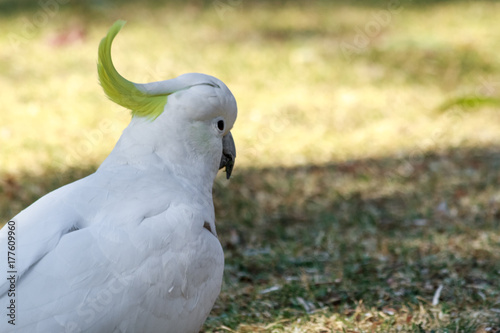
(132, 247)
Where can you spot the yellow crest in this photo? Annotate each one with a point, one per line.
(120, 90)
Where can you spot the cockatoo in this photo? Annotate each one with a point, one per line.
(132, 247)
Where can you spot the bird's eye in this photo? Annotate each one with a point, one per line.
(220, 125)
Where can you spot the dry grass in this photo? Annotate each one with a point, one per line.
(354, 197)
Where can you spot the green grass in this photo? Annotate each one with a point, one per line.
(377, 245)
(365, 177)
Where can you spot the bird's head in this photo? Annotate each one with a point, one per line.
(197, 109)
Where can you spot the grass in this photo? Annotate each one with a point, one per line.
(354, 198)
(365, 254)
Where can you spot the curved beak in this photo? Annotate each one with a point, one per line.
(228, 154)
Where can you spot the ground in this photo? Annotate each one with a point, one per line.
(357, 203)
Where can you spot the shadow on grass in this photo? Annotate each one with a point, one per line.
(387, 231)
(384, 193)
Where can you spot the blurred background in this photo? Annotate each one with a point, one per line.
(365, 194)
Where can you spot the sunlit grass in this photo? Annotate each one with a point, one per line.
(301, 99)
(353, 195)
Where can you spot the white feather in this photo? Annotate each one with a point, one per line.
(125, 249)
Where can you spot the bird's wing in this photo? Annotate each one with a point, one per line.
(163, 273)
(34, 232)
(37, 230)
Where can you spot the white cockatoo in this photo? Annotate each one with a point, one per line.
(132, 247)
